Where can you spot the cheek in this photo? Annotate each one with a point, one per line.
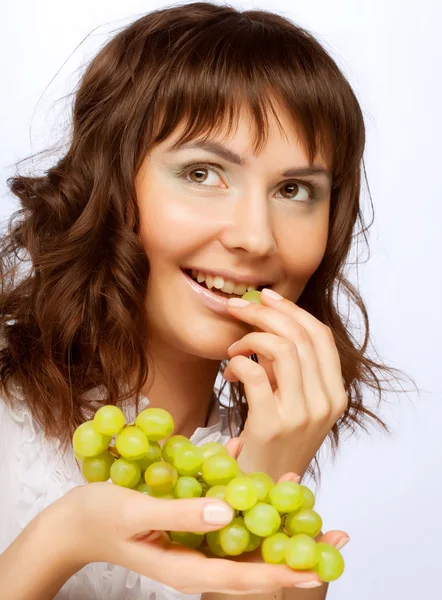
(168, 228)
(304, 250)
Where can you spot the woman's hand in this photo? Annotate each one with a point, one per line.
(125, 527)
(295, 394)
(335, 537)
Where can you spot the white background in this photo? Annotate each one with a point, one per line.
(386, 492)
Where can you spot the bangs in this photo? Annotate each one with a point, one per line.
(222, 69)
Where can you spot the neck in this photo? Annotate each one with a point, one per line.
(181, 384)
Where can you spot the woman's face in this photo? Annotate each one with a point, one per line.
(250, 220)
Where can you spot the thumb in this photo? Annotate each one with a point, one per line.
(143, 514)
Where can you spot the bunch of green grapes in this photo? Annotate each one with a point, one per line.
(277, 517)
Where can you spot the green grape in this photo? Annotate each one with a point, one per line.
(211, 448)
(97, 468)
(217, 491)
(330, 564)
(87, 441)
(241, 493)
(109, 420)
(205, 486)
(131, 443)
(301, 552)
(304, 520)
(234, 537)
(264, 484)
(126, 473)
(144, 488)
(161, 477)
(262, 519)
(286, 496)
(219, 469)
(187, 538)
(255, 540)
(170, 446)
(187, 487)
(308, 497)
(153, 455)
(168, 496)
(252, 296)
(213, 542)
(155, 423)
(188, 460)
(273, 548)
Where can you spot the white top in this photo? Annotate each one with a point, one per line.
(33, 474)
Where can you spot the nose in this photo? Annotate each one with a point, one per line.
(250, 227)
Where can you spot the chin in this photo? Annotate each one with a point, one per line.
(212, 343)
(210, 349)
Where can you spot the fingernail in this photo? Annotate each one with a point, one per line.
(308, 584)
(271, 294)
(239, 302)
(234, 344)
(342, 543)
(217, 514)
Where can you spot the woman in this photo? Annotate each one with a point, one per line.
(136, 243)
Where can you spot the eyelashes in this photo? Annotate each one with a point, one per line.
(314, 189)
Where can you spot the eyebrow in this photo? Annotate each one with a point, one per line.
(224, 152)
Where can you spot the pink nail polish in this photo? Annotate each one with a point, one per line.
(342, 542)
(271, 294)
(237, 302)
(308, 584)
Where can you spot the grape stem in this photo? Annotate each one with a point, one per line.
(114, 451)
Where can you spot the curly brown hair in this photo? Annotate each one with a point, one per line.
(76, 318)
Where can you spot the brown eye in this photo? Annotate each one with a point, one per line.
(293, 191)
(198, 174)
(198, 171)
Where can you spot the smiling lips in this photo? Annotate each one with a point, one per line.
(215, 301)
(227, 286)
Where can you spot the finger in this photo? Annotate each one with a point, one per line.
(142, 513)
(259, 393)
(274, 321)
(336, 538)
(325, 348)
(286, 365)
(234, 446)
(225, 576)
(280, 350)
(290, 477)
(229, 376)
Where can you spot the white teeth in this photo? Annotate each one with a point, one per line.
(228, 287)
(218, 282)
(225, 285)
(240, 289)
(209, 281)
